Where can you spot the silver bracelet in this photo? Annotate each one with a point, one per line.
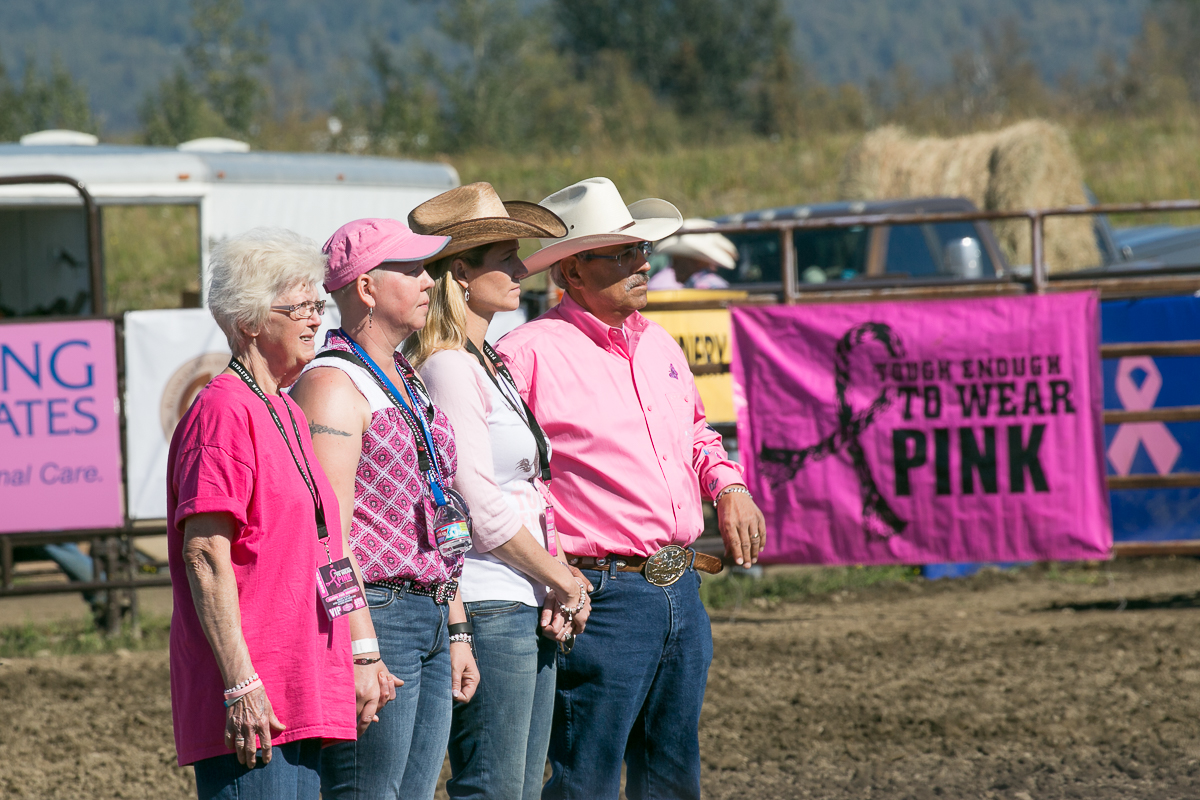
(461, 637)
(734, 489)
(571, 612)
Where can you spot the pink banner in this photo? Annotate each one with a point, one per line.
(60, 455)
(925, 431)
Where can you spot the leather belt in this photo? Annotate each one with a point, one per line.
(661, 569)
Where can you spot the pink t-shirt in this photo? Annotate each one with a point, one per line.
(227, 455)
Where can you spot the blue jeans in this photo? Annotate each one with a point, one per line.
(402, 754)
(632, 688)
(69, 558)
(292, 773)
(498, 741)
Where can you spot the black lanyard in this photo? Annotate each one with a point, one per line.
(427, 461)
(539, 436)
(309, 480)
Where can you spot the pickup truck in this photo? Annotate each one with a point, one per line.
(940, 250)
(931, 251)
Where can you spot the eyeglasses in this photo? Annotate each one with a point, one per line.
(304, 310)
(627, 257)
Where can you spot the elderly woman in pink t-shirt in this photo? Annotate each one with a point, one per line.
(260, 669)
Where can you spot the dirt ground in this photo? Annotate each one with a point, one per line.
(1041, 685)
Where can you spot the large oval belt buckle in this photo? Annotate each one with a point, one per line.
(666, 566)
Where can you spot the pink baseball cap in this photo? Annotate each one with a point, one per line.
(362, 245)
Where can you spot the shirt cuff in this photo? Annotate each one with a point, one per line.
(210, 504)
(719, 476)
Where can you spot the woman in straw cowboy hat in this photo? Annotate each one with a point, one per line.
(389, 453)
(633, 460)
(497, 743)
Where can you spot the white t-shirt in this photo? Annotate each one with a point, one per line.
(497, 460)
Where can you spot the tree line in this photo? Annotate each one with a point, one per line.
(597, 73)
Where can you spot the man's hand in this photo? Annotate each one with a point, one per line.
(742, 527)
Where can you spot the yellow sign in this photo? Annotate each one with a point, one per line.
(703, 335)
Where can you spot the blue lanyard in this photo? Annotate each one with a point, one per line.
(434, 474)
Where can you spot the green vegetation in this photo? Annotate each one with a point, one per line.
(731, 590)
(80, 636)
(42, 101)
(122, 49)
(151, 256)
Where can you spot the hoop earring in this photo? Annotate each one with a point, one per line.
(467, 295)
(371, 317)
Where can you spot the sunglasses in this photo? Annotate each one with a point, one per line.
(626, 258)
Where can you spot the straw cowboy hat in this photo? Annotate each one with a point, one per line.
(711, 247)
(474, 215)
(596, 216)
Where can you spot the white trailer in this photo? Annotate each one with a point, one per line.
(51, 245)
(43, 230)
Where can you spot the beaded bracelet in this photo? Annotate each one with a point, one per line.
(233, 696)
(242, 685)
(582, 600)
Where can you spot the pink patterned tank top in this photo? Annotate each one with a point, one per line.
(390, 531)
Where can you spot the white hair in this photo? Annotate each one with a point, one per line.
(251, 271)
(557, 277)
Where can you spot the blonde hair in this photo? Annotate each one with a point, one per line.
(251, 271)
(446, 326)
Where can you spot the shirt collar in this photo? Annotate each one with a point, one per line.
(603, 334)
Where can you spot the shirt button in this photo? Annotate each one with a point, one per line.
(649, 408)
(679, 505)
(664, 458)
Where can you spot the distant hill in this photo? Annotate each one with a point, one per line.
(121, 48)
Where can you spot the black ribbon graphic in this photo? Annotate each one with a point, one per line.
(780, 465)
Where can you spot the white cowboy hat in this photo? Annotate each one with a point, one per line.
(596, 216)
(712, 247)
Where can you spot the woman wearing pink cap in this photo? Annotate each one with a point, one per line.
(390, 456)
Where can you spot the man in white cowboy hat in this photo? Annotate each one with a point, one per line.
(633, 459)
(695, 257)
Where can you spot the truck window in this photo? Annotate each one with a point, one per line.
(44, 262)
(943, 249)
(830, 254)
(950, 238)
(908, 253)
(758, 258)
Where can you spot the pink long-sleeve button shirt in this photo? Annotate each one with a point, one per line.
(633, 456)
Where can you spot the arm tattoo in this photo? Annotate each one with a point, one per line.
(315, 428)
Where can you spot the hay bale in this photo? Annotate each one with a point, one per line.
(1027, 165)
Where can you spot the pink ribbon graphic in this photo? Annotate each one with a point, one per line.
(1159, 443)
